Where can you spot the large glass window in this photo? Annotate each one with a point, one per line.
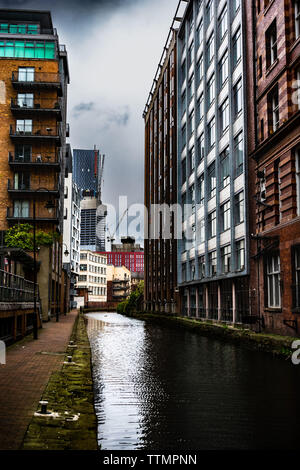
(238, 154)
(191, 123)
(239, 208)
(24, 126)
(201, 147)
(224, 116)
(210, 49)
(211, 134)
(296, 276)
(212, 180)
(201, 267)
(210, 90)
(200, 32)
(223, 24)
(192, 159)
(23, 153)
(212, 225)
(200, 108)
(237, 99)
(273, 281)
(26, 74)
(21, 208)
(19, 28)
(210, 11)
(225, 259)
(223, 69)
(225, 216)
(201, 189)
(237, 47)
(240, 254)
(202, 231)
(200, 69)
(212, 263)
(224, 168)
(297, 18)
(25, 100)
(34, 49)
(271, 44)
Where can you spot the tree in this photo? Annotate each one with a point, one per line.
(21, 236)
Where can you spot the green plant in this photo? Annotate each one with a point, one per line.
(21, 236)
(131, 304)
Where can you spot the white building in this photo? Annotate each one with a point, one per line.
(93, 275)
(71, 233)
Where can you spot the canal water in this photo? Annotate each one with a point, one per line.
(158, 387)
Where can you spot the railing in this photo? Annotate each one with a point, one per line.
(201, 312)
(213, 313)
(15, 288)
(31, 77)
(27, 213)
(227, 314)
(26, 186)
(49, 157)
(35, 103)
(35, 131)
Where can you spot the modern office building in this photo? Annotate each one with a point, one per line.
(273, 72)
(160, 117)
(71, 234)
(128, 254)
(93, 224)
(34, 76)
(86, 167)
(93, 275)
(213, 265)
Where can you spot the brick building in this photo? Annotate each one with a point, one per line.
(273, 72)
(33, 91)
(160, 117)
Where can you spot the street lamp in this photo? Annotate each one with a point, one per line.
(50, 206)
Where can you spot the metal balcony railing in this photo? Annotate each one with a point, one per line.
(27, 186)
(36, 158)
(15, 288)
(31, 77)
(26, 213)
(35, 104)
(28, 130)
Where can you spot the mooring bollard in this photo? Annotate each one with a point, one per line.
(69, 358)
(43, 407)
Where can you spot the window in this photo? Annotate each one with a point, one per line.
(223, 69)
(297, 18)
(223, 24)
(21, 180)
(183, 136)
(192, 159)
(239, 208)
(23, 153)
(191, 88)
(271, 44)
(201, 107)
(202, 231)
(200, 32)
(201, 147)
(21, 208)
(191, 123)
(191, 54)
(210, 49)
(236, 6)
(183, 105)
(210, 11)
(273, 281)
(224, 168)
(211, 180)
(225, 216)
(211, 134)
(201, 189)
(200, 69)
(259, 67)
(201, 267)
(25, 100)
(224, 116)
(237, 99)
(183, 272)
(212, 225)
(238, 154)
(296, 280)
(210, 90)
(212, 263)
(83, 267)
(24, 126)
(82, 278)
(240, 255)
(26, 49)
(225, 259)
(237, 48)
(273, 107)
(19, 28)
(183, 72)
(183, 171)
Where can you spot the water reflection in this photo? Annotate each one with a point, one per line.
(163, 388)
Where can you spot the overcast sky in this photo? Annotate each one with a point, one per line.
(114, 47)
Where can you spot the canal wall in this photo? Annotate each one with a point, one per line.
(280, 346)
(73, 424)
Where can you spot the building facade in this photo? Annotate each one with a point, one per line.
(273, 46)
(160, 117)
(213, 265)
(34, 76)
(128, 254)
(93, 224)
(71, 234)
(118, 283)
(93, 275)
(86, 167)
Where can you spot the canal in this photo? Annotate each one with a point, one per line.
(158, 387)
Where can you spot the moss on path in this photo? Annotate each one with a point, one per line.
(70, 395)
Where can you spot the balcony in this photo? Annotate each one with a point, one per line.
(36, 107)
(17, 215)
(26, 189)
(33, 80)
(27, 132)
(40, 161)
(15, 288)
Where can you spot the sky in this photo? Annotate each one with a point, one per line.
(114, 47)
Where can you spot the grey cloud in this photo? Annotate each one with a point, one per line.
(82, 107)
(107, 117)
